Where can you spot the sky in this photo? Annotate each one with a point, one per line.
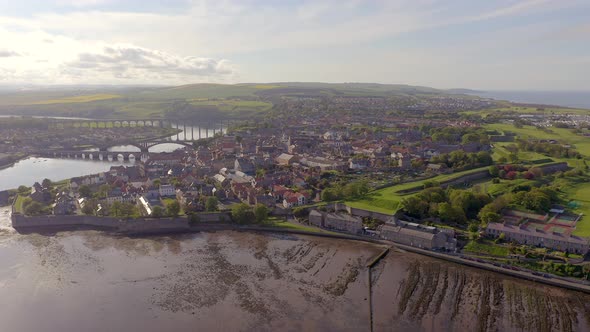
(488, 45)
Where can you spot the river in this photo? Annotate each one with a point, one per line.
(31, 170)
(235, 281)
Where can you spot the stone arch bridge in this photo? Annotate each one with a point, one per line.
(143, 146)
(95, 155)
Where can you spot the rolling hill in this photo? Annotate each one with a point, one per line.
(235, 100)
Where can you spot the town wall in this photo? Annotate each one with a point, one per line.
(21, 221)
(138, 225)
(555, 167)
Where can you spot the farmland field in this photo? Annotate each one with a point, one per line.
(77, 99)
(529, 110)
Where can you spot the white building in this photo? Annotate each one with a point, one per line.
(167, 190)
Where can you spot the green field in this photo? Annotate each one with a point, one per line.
(562, 135)
(529, 110)
(387, 200)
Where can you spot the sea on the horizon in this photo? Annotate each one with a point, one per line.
(579, 99)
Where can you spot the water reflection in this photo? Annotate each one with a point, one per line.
(30, 170)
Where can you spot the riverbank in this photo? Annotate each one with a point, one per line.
(211, 222)
(9, 161)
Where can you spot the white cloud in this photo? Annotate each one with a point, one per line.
(47, 58)
(132, 62)
(7, 54)
(82, 3)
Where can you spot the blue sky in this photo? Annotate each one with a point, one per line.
(495, 45)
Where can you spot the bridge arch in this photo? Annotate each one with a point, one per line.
(153, 147)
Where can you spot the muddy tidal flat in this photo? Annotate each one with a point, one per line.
(230, 281)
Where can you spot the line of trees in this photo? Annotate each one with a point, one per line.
(350, 190)
(549, 149)
(461, 160)
(243, 213)
(458, 135)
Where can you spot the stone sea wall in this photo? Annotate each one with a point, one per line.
(130, 226)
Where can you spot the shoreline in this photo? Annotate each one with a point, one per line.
(168, 226)
(13, 162)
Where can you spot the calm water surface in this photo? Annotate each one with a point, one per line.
(31, 170)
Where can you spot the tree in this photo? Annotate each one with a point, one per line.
(85, 191)
(489, 217)
(34, 208)
(173, 208)
(211, 204)
(157, 211)
(450, 213)
(299, 212)
(469, 138)
(89, 207)
(260, 213)
(329, 194)
(23, 190)
(415, 206)
(103, 191)
(473, 227)
(115, 209)
(493, 170)
(241, 213)
(46, 183)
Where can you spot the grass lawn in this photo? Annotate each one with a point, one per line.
(295, 226)
(486, 248)
(581, 194)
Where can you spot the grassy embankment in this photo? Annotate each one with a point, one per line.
(18, 204)
(280, 223)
